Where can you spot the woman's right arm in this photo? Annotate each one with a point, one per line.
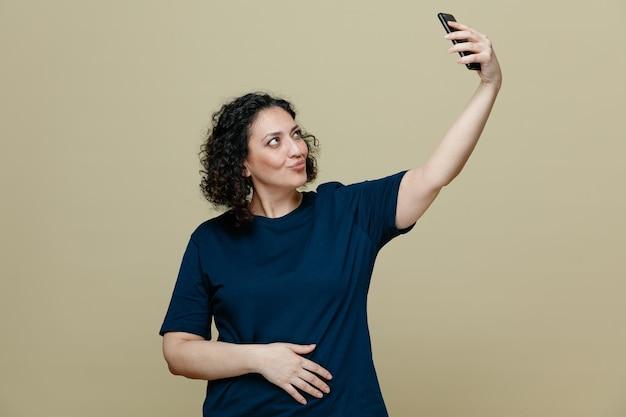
(194, 357)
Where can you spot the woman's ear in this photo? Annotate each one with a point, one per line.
(246, 171)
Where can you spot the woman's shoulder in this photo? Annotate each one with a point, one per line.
(333, 186)
(220, 223)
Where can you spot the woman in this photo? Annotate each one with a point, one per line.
(285, 274)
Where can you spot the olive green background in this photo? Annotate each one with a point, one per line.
(508, 297)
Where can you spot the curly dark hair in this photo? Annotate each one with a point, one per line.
(226, 147)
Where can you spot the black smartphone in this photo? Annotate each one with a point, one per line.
(444, 18)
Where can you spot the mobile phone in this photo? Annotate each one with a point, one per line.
(444, 18)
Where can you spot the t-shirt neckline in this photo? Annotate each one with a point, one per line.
(294, 215)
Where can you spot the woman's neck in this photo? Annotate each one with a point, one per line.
(273, 207)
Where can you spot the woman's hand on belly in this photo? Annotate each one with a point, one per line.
(283, 365)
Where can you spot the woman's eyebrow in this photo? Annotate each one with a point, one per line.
(271, 134)
(277, 133)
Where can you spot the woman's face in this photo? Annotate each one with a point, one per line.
(277, 153)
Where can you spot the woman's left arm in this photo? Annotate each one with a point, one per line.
(420, 186)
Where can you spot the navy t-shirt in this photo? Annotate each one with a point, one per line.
(302, 278)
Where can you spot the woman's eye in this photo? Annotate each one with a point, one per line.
(273, 142)
(297, 134)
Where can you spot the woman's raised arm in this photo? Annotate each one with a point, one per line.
(420, 186)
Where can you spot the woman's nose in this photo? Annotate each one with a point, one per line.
(296, 147)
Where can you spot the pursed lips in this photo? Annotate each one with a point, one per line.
(298, 165)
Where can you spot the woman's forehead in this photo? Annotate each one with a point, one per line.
(273, 119)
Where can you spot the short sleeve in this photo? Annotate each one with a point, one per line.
(374, 204)
(189, 309)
